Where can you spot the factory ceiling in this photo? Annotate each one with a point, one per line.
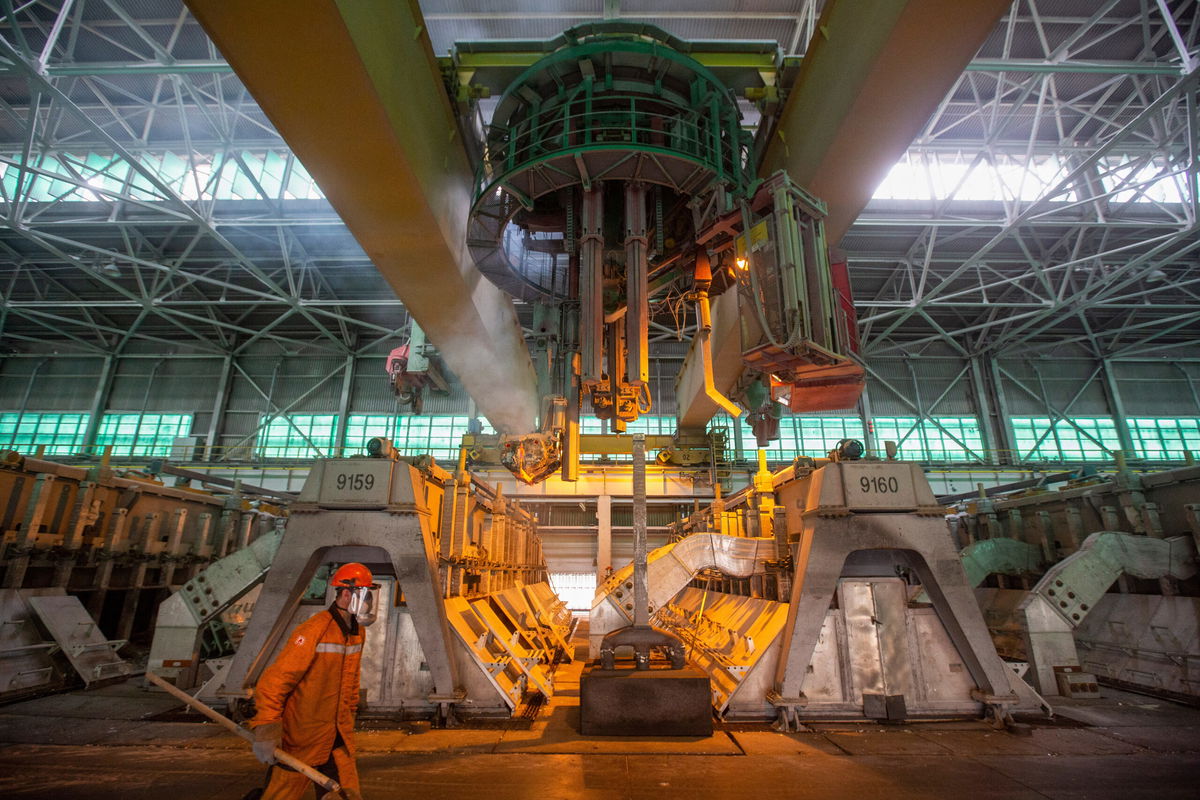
(1051, 196)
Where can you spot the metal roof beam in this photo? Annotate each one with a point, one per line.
(874, 73)
(369, 118)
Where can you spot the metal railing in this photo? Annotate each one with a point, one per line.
(648, 125)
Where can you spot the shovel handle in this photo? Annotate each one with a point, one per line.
(288, 760)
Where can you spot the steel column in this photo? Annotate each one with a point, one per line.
(591, 286)
(404, 188)
(637, 315)
(603, 537)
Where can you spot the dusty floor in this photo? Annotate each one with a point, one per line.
(102, 744)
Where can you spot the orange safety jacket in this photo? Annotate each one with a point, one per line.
(312, 687)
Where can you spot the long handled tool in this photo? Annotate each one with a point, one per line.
(322, 780)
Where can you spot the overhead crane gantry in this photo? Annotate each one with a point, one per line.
(356, 90)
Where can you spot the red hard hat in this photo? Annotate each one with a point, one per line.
(352, 575)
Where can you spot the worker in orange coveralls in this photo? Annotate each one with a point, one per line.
(307, 699)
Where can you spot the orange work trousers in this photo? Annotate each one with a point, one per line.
(288, 785)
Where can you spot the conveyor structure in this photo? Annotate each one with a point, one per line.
(116, 538)
(837, 632)
(470, 626)
(1095, 580)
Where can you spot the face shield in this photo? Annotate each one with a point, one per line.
(364, 603)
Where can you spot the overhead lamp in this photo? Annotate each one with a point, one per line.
(110, 269)
(1156, 276)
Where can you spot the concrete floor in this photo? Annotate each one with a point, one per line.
(103, 744)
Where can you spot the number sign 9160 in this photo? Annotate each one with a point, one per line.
(355, 481)
(881, 484)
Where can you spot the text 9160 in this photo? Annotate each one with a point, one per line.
(879, 485)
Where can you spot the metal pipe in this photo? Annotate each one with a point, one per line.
(1058, 477)
(637, 316)
(641, 593)
(591, 285)
(164, 468)
(710, 386)
(12, 441)
(137, 431)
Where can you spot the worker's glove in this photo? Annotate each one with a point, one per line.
(346, 793)
(266, 738)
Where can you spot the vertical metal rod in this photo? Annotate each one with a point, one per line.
(637, 317)
(137, 430)
(603, 537)
(1193, 170)
(1003, 419)
(220, 403)
(347, 396)
(99, 401)
(591, 285)
(55, 31)
(12, 441)
(1116, 406)
(641, 594)
(570, 450)
(268, 401)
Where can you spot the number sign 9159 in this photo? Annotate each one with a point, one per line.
(880, 484)
(355, 481)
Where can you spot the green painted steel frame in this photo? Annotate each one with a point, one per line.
(718, 143)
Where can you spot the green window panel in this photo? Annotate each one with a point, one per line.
(438, 435)
(816, 436)
(61, 434)
(1079, 439)
(204, 176)
(937, 439)
(301, 186)
(651, 425)
(811, 436)
(297, 436)
(362, 427)
(142, 435)
(1164, 438)
(274, 167)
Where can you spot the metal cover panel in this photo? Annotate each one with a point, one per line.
(891, 601)
(26, 662)
(943, 681)
(862, 638)
(92, 656)
(826, 679)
